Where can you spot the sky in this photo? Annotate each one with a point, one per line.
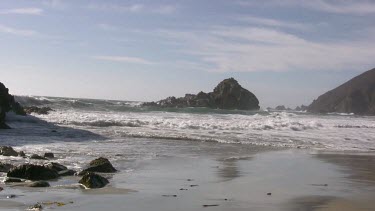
(286, 52)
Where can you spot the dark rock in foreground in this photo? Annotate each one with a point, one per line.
(33, 172)
(92, 180)
(228, 94)
(355, 96)
(99, 165)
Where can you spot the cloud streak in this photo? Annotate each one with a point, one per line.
(273, 23)
(124, 59)
(135, 8)
(253, 49)
(23, 11)
(354, 7)
(18, 32)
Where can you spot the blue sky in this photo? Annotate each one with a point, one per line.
(286, 52)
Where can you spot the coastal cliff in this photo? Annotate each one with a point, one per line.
(228, 94)
(7, 103)
(355, 96)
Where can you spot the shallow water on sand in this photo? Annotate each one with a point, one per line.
(230, 177)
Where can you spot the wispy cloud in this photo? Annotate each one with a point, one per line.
(107, 27)
(248, 49)
(125, 59)
(134, 8)
(55, 4)
(273, 22)
(19, 32)
(356, 7)
(23, 11)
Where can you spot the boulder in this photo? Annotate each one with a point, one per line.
(8, 151)
(99, 165)
(49, 155)
(355, 96)
(92, 180)
(32, 172)
(56, 167)
(37, 157)
(228, 94)
(38, 184)
(21, 154)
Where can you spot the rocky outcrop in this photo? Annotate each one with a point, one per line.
(228, 94)
(92, 180)
(8, 151)
(355, 96)
(33, 172)
(8, 103)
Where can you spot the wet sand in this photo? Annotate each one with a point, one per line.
(220, 177)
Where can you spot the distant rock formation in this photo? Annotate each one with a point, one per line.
(8, 103)
(301, 108)
(228, 94)
(355, 96)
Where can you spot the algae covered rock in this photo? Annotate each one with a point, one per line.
(92, 180)
(33, 172)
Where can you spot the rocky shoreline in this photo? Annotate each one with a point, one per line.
(38, 176)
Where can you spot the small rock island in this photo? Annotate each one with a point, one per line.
(228, 94)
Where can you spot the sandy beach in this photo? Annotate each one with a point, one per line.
(212, 176)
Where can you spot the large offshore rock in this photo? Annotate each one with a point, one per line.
(92, 180)
(33, 172)
(228, 94)
(355, 96)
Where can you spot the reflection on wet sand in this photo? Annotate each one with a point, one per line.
(329, 203)
(229, 168)
(360, 169)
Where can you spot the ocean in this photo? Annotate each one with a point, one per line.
(156, 150)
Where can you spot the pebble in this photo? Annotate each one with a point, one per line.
(210, 205)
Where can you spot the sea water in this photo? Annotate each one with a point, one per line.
(81, 129)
